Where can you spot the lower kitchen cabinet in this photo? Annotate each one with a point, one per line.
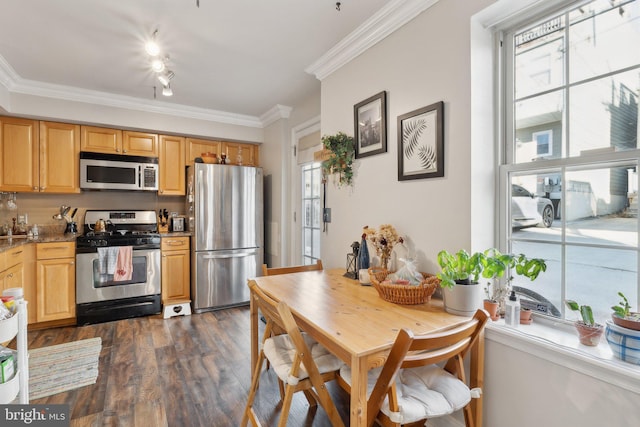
(176, 276)
(55, 281)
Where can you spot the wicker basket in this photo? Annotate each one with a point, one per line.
(403, 294)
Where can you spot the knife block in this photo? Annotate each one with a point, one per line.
(163, 227)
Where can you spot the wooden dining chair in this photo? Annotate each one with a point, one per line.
(266, 271)
(298, 360)
(411, 387)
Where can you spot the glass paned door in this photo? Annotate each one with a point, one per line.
(311, 212)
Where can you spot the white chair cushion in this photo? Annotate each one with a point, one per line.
(423, 392)
(280, 351)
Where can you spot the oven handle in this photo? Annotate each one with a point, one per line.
(233, 255)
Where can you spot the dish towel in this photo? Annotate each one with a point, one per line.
(107, 258)
(124, 264)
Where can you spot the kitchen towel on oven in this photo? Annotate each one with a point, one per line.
(107, 258)
(124, 264)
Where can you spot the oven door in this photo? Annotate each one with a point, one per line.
(92, 286)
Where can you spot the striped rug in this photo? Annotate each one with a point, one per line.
(63, 367)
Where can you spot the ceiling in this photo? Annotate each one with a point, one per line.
(236, 56)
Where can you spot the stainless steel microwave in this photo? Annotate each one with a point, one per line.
(118, 172)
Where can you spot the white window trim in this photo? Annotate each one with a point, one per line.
(557, 341)
(544, 339)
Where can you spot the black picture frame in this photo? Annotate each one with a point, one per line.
(370, 125)
(421, 143)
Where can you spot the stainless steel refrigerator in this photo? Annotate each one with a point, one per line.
(224, 207)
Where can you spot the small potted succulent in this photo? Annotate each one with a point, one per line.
(589, 331)
(623, 316)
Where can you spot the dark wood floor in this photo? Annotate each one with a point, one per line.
(183, 371)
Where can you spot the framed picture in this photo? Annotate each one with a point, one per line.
(370, 120)
(421, 143)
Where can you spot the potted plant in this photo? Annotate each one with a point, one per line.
(340, 161)
(461, 269)
(623, 316)
(589, 331)
(496, 264)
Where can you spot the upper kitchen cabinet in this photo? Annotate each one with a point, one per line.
(19, 151)
(249, 153)
(39, 156)
(171, 160)
(195, 148)
(139, 144)
(59, 157)
(116, 141)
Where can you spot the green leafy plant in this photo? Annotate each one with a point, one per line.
(342, 148)
(623, 309)
(490, 264)
(585, 312)
(459, 268)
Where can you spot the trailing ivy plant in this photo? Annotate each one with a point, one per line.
(342, 148)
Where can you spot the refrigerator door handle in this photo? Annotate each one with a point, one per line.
(233, 255)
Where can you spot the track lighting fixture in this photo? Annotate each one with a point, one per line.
(159, 65)
(166, 77)
(151, 46)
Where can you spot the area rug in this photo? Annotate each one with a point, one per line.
(63, 367)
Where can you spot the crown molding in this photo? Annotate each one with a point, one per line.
(274, 114)
(387, 20)
(16, 84)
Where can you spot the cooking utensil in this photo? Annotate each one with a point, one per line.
(73, 214)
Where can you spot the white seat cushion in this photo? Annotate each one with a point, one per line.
(423, 392)
(280, 351)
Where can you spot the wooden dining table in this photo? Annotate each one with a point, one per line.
(355, 324)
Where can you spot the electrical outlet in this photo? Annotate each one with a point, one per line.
(326, 215)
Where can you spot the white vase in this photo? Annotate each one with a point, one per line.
(462, 300)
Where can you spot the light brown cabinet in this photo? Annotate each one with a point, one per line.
(171, 161)
(59, 158)
(250, 152)
(18, 154)
(39, 156)
(116, 141)
(11, 268)
(176, 276)
(195, 148)
(55, 281)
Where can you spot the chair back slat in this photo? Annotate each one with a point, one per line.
(293, 269)
(410, 351)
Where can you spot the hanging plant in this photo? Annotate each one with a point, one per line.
(342, 148)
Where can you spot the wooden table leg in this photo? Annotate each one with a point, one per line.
(253, 310)
(477, 377)
(359, 373)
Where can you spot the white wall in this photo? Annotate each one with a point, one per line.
(428, 60)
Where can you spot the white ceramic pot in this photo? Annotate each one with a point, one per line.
(462, 300)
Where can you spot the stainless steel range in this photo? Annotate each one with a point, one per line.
(117, 266)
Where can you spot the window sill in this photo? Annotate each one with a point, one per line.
(557, 342)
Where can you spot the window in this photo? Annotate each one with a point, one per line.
(311, 212)
(569, 173)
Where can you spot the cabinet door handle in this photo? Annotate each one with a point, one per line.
(71, 263)
(16, 253)
(35, 188)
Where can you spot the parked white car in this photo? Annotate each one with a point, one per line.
(529, 210)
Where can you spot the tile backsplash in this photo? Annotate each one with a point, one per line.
(42, 207)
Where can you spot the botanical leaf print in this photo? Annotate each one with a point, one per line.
(427, 157)
(411, 136)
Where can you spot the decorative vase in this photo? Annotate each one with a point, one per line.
(589, 335)
(384, 260)
(363, 255)
(492, 309)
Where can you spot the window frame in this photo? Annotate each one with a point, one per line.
(507, 168)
